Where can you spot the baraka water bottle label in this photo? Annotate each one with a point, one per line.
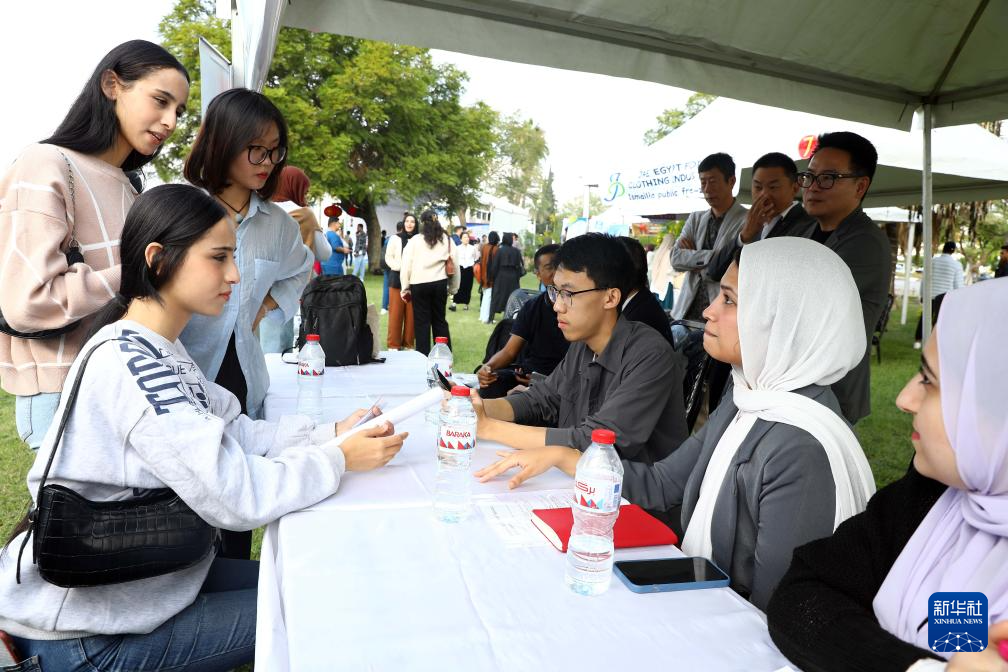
(456, 438)
(306, 369)
(597, 495)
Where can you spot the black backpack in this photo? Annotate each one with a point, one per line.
(335, 308)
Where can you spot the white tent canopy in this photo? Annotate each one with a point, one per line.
(866, 60)
(969, 162)
(869, 61)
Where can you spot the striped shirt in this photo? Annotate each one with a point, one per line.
(946, 275)
(37, 289)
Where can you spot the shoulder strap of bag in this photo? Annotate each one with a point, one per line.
(71, 399)
(73, 204)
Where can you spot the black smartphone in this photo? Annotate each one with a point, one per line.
(667, 574)
(442, 380)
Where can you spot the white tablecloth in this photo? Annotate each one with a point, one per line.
(370, 580)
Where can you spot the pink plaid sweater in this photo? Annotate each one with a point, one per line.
(37, 288)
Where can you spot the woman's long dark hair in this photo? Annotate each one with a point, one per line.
(233, 120)
(507, 239)
(431, 227)
(91, 125)
(493, 238)
(174, 215)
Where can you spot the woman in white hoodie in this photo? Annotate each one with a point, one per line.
(147, 418)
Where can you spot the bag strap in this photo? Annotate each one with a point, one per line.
(71, 399)
(73, 204)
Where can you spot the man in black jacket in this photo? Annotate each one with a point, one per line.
(838, 176)
(641, 304)
(774, 211)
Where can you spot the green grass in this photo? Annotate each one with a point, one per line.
(884, 434)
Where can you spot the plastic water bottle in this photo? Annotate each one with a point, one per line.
(598, 482)
(441, 356)
(456, 439)
(311, 368)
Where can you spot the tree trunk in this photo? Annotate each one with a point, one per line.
(370, 213)
(460, 212)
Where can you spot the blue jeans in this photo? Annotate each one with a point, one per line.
(215, 633)
(384, 292)
(33, 414)
(360, 265)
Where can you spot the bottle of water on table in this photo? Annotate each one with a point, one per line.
(598, 482)
(311, 369)
(441, 356)
(456, 439)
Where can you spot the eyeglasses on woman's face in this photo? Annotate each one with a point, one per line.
(258, 154)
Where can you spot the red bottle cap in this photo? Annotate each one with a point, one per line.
(441, 339)
(606, 436)
(312, 337)
(460, 391)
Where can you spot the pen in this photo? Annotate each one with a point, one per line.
(1002, 647)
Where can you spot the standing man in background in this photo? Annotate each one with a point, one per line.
(837, 179)
(946, 275)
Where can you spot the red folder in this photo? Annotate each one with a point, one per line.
(634, 527)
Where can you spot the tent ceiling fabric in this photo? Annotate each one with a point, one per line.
(952, 53)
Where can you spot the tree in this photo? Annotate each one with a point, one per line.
(544, 206)
(521, 147)
(673, 118)
(365, 119)
(574, 208)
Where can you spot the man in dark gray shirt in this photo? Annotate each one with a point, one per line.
(617, 374)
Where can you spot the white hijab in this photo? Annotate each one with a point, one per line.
(799, 324)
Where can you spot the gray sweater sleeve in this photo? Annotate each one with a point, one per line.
(796, 478)
(624, 409)
(540, 403)
(660, 486)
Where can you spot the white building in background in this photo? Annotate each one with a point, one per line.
(496, 214)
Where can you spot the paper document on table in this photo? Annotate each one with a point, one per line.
(397, 414)
(509, 514)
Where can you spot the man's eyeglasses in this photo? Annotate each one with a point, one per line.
(824, 180)
(257, 154)
(568, 296)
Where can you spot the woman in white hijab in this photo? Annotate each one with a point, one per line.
(775, 466)
(863, 598)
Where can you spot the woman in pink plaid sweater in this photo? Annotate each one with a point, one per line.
(71, 191)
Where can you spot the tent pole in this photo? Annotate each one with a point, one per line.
(927, 215)
(907, 267)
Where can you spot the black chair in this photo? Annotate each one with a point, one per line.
(698, 366)
(880, 328)
(516, 300)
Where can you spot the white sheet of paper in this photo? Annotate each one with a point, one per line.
(508, 515)
(397, 414)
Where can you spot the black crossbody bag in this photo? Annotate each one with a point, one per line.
(80, 543)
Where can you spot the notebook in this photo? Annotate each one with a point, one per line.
(634, 527)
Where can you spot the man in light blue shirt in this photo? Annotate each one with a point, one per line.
(946, 275)
(334, 264)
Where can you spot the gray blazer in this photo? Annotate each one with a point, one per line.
(695, 261)
(864, 247)
(778, 494)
